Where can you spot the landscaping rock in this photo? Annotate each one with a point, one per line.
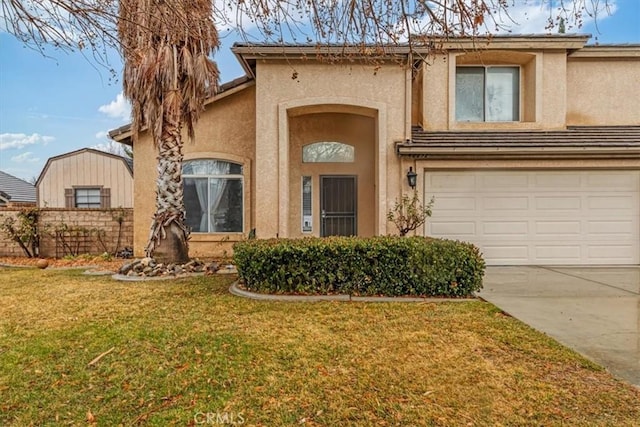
(149, 267)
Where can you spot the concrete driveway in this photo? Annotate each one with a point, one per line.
(593, 310)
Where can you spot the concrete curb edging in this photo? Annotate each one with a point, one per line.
(235, 290)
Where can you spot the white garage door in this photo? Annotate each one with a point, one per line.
(540, 217)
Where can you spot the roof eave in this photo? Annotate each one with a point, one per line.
(124, 134)
(421, 151)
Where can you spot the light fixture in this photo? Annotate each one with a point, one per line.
(412, 177)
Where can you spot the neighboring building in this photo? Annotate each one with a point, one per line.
(86, 178)
(529, 144)
(15, 192)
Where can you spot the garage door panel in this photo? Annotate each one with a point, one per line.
(558, 203)
(610, 254)
(448, 203)
(508, 254)
(505, 228)
(611, 227)
(553, 217)
(505, 202)
(554, 228)
(452, 182)
(606, 181)
(554, 181)
(453, 228)
(611, 202)
(504, 181)
(553, 252)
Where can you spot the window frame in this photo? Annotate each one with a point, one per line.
(71, 197)
(518, 103)
(350, 147)
(230, 176)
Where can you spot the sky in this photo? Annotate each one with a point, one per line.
(53, 105)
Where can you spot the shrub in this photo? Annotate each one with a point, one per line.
(409, 213)
(24, 231)
(391, 266)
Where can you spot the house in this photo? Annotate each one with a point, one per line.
(15, 192)
(86, 179)
(529, 144)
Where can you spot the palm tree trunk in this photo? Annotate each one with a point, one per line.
(168, 241)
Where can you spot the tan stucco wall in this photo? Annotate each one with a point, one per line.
(330, 87)
(603, 91)
(226, 130)
(85, 169)
(542, 89)
(356, 130)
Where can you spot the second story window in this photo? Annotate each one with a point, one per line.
(488, 94)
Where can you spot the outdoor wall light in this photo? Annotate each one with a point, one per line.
(412, 177)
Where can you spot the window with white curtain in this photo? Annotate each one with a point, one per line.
(488, 94)
(213, 196)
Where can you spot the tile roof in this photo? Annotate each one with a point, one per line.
(16, 189)
(575, 141)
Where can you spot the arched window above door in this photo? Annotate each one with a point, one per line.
(328, 152)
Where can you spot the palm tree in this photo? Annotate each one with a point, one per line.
(167, 77)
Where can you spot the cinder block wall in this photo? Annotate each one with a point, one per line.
(84, 241)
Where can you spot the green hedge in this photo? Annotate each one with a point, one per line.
(391, 266)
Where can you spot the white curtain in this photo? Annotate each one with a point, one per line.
(201, 190)
(209, 188)
(216, 190)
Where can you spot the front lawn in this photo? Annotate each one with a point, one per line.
(186, 352)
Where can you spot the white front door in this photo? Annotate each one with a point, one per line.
(539, 217)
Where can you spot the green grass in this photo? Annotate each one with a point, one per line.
(186, 348)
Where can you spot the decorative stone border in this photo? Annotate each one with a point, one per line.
(237, 291)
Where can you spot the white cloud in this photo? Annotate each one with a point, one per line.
(110, 147)
(117, 109)
(102, 134)
(20, 140)
(26, 157)
(534, 16)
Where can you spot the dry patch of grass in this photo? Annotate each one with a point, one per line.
(186, 348)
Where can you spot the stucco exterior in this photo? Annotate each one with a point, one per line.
(593, 100)
(397, 117)
(226, 130)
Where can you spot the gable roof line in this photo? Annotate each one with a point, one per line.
(128, 165)
(123, 134)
